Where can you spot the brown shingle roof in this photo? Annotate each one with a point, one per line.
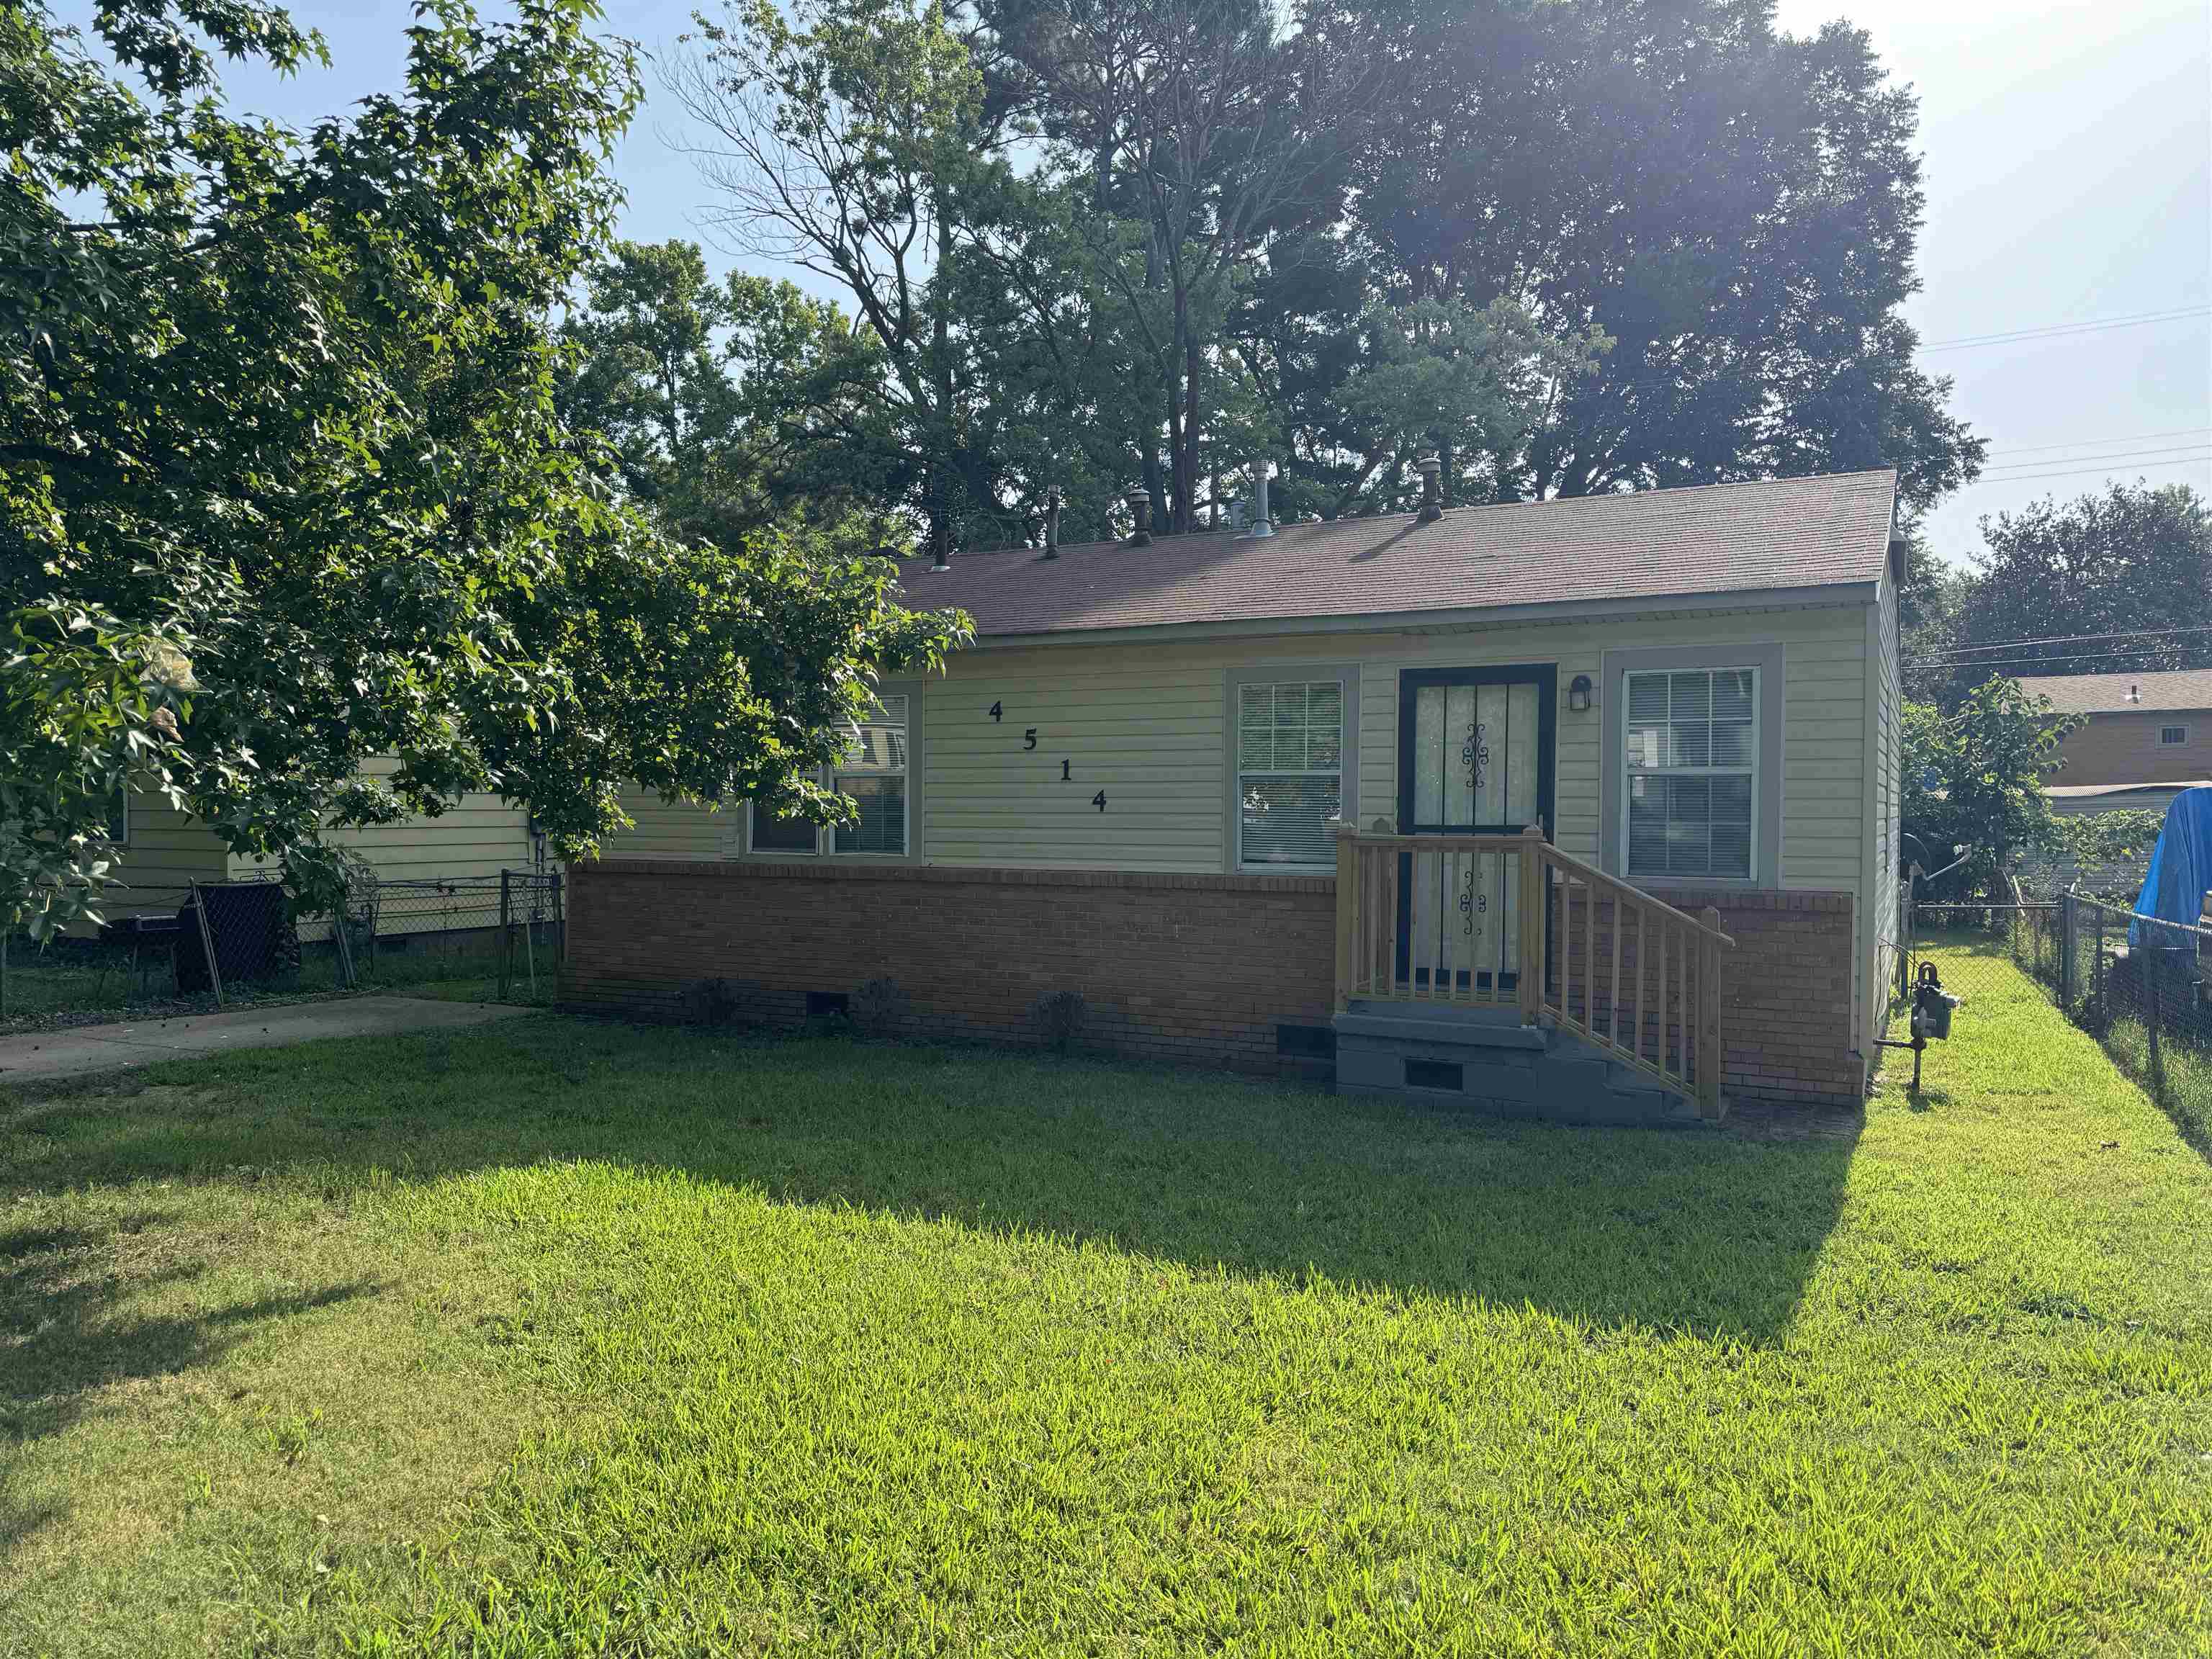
(1717, 540)
(2108, 694)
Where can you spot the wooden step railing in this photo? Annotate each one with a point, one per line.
(1445, 919)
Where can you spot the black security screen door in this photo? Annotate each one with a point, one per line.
(1475, 758)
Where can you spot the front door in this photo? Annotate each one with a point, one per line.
(1475, 758)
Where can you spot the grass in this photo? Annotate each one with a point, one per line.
(553, 1338)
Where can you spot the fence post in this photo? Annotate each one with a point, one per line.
(2157, 1064)
(2097, 971)
(206, 942)
(505, 935)
(2066, 921)
(1530, 965)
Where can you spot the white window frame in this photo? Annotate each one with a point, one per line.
(1751, 772)
(1345, 676)
(2178, 743)
(825, 835)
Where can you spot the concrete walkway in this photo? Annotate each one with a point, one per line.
(82, 1050)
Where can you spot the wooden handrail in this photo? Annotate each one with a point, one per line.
(1591, 873)
(1522, 922)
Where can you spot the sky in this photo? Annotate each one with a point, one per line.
(2067, 157)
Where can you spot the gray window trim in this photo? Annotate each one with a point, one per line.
(1232, 845)
(911, 689)
(1767, 830)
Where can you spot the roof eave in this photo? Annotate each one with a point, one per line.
(1826, 595)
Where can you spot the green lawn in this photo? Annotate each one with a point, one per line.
(558, 1339)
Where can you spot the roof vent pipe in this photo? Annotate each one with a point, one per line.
(1431, 467)
(1261, 523)
(1140, 504)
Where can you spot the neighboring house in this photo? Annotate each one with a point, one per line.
(1130, 788)
(161, 852)
(2143, 738)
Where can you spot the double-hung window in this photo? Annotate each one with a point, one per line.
(1290, 771)
(873, 773)
(1692, 787)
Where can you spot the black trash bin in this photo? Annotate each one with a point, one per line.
(254, 938)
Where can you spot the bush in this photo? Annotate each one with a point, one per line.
(710, 1002)
(880, 1007)
(1059, 1018)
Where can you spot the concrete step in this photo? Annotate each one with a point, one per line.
(1485, 1060)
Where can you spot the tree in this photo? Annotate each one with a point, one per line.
(732, 406)
(1735, 208)
(2127, 566)
(283, 482)
(1975, 778)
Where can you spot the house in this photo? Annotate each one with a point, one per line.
(2143, 738)
(1262, 799)
(435, 874)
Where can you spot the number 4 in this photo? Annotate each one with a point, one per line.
(1098, 801)
(998, 711)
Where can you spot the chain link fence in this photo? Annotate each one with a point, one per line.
(2142, 986)
(205, 945)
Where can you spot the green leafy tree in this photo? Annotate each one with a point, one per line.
(284, 484)
(1975, 778)
(2129, 564)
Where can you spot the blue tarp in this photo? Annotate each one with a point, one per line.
(2180, 865)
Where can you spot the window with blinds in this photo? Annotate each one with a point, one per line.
(1692, 772)
(872, 776)
(872, 773)
(1290, 771)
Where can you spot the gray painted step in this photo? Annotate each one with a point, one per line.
(1487, 1060)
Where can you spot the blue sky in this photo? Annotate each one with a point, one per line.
(2068, 150)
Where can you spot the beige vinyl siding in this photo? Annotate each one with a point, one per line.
(671, 830)
(477, 836)
(167, 851)
(1886, 793)
(1146, 723)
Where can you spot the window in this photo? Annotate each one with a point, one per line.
(873, 774)
(1290, 771)
(2172, 736)
(1691, 772)
(118, 816)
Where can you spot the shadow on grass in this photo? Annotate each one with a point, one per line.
(1712, 1233)
(65, 1337)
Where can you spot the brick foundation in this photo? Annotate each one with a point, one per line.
(1191, 969)
(1785, 994)
(1196, 969)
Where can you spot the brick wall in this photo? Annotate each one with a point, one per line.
(1192, 968)
(1197, 970)
(1785, 994)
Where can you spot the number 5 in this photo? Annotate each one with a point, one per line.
(1028, 739)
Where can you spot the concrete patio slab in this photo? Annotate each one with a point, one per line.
(83, 1050)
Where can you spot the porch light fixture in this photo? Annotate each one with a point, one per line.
(1578, 693)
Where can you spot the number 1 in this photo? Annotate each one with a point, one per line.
(1065, 776)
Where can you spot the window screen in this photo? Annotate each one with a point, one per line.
(872, 775)
(1289, 770)
(1692, 767)
(2171, 735)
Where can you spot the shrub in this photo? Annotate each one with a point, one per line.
(1059, 1018)
(879, 1006)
